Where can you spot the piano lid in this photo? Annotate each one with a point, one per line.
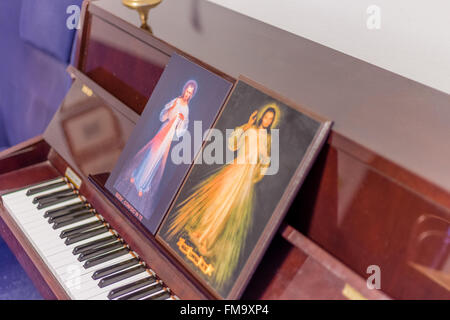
(397, 118)
(90, 128)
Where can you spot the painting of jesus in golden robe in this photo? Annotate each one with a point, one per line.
(218, 214)
(224, 214)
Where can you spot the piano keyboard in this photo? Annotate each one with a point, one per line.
(88, 257)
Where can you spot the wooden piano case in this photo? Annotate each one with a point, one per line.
(358, 205)
(294, 266)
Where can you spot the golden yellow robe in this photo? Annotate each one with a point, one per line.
(218, 214)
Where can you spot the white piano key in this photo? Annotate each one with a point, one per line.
(57, 255)
(34, 219)
(31, 218)
(41, 193)
(49, 238)
(63, 259)
(51, 248)
(59, 259)
(90, 286)
(41, 236)
(86, 281)
(48, 251)
(36, 228)
(65, 275)
(46, 237)
(104, 295)
(22, 192)
(40, 212)
(152, 294)
(97, 291)
(22, 203)
(58, 231)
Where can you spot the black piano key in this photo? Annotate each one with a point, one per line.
(36, 190)
(56, 197)
(101, 273)
(66, 209)
(69, 216)
(79, 229)
(99, 251)
(85, 235)
(104, 258)
(146, 292)
(117, 292)
(51, 195)
(56, 201)
(121, 276)
(77, 218)
(163, 295)
(93, 244)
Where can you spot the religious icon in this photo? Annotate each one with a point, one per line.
(175, 120)
(149, 163)
(146, 178)
(218, 214)
(225, 213)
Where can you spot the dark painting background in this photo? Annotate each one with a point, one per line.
(205, 105)
(296, 132)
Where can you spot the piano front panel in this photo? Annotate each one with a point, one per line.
(38, 170)
(364, 217)
(305, 271)
(16, 158)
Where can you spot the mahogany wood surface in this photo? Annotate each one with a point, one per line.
(397, 118)
(380, 184)
(382, 168)
(364, 217)
(305, 271)
(146, 246)
(281, 276)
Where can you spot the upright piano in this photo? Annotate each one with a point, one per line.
(376, 200)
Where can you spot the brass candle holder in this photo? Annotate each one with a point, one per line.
(142, 7)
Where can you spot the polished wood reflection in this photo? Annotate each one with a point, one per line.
(123, 65)
(374, 196)
(364, 217)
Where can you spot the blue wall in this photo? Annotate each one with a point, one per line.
(36, 47)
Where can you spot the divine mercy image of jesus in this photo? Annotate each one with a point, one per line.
(148, 173)
(217, 215)
(143, 174)
(226, 212)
